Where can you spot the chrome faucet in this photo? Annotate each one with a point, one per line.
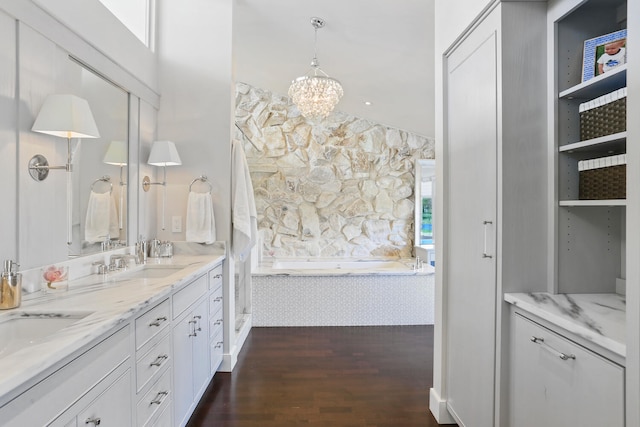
(119, 261)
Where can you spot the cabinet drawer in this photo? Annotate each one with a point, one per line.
(153, 362)
(215, 277)
(555, 381)
(215, 301)
(215, 323)
(155, 400)
(188, 295)
(216, 351)
(112, 407)
(152, 323)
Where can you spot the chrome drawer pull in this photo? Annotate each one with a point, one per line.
(159, 396)
(546, 346)
(158, 321)
(94, 421)
(218, 276)
(159, 360)
(219, 344)
(218, 299)
(218, 322)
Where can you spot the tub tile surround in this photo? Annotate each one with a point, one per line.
(598, 318)
(110, 300)
(339, 188)
(343, 297)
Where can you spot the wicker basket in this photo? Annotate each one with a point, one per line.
(604, 183)
(604, 120)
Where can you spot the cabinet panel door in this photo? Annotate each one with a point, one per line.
(201, 361)
(547, 390)
(182, 370)
(471, 175)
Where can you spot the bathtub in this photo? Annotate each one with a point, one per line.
(317, 292)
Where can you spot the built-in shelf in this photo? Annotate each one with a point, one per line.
(592, 88)
(611, 202)
(615, 143)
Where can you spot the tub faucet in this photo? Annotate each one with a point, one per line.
(418, 265)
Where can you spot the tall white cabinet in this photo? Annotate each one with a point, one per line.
(494, 202)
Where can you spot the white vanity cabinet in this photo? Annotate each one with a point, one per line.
(94, 386)
(556, 382)
(191, 364)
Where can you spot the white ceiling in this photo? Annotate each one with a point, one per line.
(381, 51)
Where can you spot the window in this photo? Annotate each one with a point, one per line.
(136, 15)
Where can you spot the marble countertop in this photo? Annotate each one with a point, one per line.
(111, 300)
(599, 318)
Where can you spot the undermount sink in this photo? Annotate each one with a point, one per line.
(22, 329)
(152, 271)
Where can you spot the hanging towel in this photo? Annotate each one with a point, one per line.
(102, 218)
(243, 205)
(201, 224)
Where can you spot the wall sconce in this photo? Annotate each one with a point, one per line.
(163, 153)
(64, 116)
(117, 155)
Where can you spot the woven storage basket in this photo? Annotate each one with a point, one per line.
(604, 183)
(604, 120)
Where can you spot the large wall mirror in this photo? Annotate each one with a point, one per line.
(100, 167)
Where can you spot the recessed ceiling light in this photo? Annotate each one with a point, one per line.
(367, 103)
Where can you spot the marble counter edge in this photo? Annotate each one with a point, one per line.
(527, 302)
(74, 339)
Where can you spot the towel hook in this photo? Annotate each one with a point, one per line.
(204, 179)
(106, 179)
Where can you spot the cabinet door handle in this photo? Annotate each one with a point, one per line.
(158, 321)
(159, 398)
(484, 250)
(159, 360)
(95, 421)
(561, 355)
(197, 322)
(219, 344)
(218, 299)
(217, 276)
(193, 330)
(218, 322)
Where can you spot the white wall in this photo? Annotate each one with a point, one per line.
(196, 81)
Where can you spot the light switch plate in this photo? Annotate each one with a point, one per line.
(176, 224)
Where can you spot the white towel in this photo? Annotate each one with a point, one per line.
(102, 218)
(243, 205)
(201, 224)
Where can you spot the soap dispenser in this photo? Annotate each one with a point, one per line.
(10, 287)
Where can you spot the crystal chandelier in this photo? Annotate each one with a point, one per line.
(315, 94)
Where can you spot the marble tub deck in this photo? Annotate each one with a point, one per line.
(599, 318)
(266, 269)
(111, 301)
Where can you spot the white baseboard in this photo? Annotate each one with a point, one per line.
(230, 359)
(438, 408)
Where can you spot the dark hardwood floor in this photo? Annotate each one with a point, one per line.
(325, 376)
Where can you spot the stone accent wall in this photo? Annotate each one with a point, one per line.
(340, 188)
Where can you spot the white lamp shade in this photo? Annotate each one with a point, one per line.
(116, 154)
(164, 153)
(66, 116)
